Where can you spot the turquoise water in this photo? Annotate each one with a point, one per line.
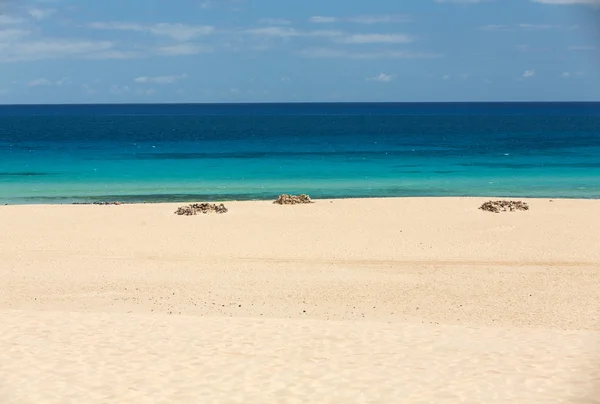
(62, 154)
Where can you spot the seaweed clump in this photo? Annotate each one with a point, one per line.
(286, 199)
(504, 206)
(196, 208)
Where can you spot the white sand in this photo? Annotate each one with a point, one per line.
(366, 301)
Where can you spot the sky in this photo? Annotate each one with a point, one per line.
(181, 51)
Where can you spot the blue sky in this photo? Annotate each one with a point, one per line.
(78, 51)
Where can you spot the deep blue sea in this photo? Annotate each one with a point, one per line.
(85, 153)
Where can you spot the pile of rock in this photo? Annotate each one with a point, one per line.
(106, 203)
(196, 208)
(504, 206)
(286, 199)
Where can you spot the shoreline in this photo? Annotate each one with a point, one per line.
(102, 202)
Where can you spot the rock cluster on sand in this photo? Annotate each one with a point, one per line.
(196, 208)
(286, 199)
(504, 206)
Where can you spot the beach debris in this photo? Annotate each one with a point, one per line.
(196, 208)
(504, 206)
(286, 199)
(97, 203)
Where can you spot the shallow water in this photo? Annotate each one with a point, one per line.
(56, 154)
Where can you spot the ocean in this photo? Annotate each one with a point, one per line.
(194, 152)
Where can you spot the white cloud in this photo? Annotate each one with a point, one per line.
(3, 91)
(41, 13)
(446, 77)
(28, 50)
(45, 82)
(285, 32)
(378, 19)
(179, 32)
(495, 27)
(160, 79)
(8, 20)
(39, 83)
(376, 38)
(281, 32)
(382, 77)
(179, 49)
(182, 49)
(529, 73)
(55, 48)
(337, 36)
(567, 75)
(119, 90)
(215, 3)
(361, 19)
(322, 33)
(323, 20)
(526, 27)
(9, 35)
(327, 53)
(537, 27)
(114, 54)
(274, 21)
(569, 2)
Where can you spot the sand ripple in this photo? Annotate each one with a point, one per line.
(53, 357)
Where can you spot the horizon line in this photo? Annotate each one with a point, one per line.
(296, 103)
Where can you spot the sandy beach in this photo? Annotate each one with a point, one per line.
(411, 300)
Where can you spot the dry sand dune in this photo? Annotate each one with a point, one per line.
(76, 357)
(383, 300)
